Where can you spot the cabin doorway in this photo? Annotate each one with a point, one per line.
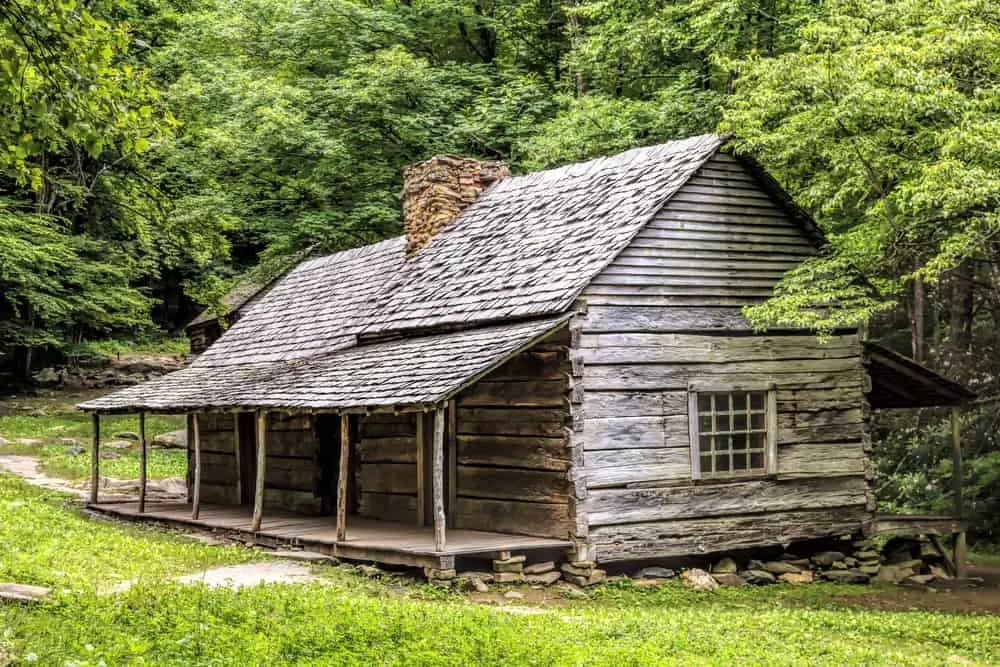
(247, 424)
(328, 472)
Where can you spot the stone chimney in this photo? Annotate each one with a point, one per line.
(437, 190)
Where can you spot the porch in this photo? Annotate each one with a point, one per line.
(387, 542)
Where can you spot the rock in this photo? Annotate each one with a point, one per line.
(69, 442)
(788, 556)
(76, 451)
(939, 572)
(655, 573)
(508, 566)
(11, 592)
(595, 577)
(485, 577)
(928, 552)
(699, 580)
(513, 595)
(781, 567)
(544, 578)
(369, 571)
(850, 561)
(801, 563)
(4, 441)
(871, 570)
(827, 558)
(508, 577)
(46, 376)
(580, 569)
(110, 456)
(29, 442)
(900, 549)
(127, 435)
(539, 568)
(840, 565)
(915, 563)
(755, 565)
(866, 555)
(479, 586)
(729, 579)
(796, 578)
(512, 559)
(846, 576)
(893, 574)
(758, 577)
(921, 579)
(725, 566)
(171, 440)
(866, 543)
(568, 590)
(118, 444)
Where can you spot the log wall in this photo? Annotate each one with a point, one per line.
(512, 446)
(387, 467)
(666, 313)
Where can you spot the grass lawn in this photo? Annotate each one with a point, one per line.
(55, 421)
(355, 620)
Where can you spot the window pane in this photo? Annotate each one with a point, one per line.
(739, 422)
(705, 424)
(722, 422)
(706, 464)
(757, 461)
(739, 402)
(757, 421)
(722, 402)
(722, 463)
(704, 402)
(757, 400)
(706, 443)
(756, 441)
(739, 461)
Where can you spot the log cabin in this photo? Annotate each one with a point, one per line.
(552, 361)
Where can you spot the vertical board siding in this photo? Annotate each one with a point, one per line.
(666, 313)
(512, 446)
(387, 469)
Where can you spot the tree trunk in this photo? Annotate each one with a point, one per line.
(962, 304)
(917, 319)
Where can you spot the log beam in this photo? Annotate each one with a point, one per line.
(258, 499)
(343, 473)
(142, 462)
(961, 568)
(95, 454)
(236, 455)
(437, 472)
(196, 501)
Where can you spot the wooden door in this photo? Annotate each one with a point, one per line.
(246, 423)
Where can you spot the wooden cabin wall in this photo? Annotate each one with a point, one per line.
(512, 429)
(387, 468)
(666, 313)
(290, 470)
(203, 334)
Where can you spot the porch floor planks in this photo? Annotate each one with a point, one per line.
(367, 539)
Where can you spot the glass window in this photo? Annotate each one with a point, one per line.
(731, 432)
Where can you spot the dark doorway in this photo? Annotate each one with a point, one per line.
(328, 465)
(246, 423)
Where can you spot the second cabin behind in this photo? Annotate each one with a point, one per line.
(549, 361)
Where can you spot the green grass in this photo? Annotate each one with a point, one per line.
(113, 347)
(54, 419)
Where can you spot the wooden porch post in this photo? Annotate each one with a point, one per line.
(196, 500)
(95, 453)
(258, 499)
(142, 462)
(437, 477)
(961, 569)
(236, 454)
(421, 456)
(342, 474)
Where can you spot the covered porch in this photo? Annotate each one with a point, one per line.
(899, 382)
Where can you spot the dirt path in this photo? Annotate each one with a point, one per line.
(28, 468)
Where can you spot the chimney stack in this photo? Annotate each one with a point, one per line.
(437, 190)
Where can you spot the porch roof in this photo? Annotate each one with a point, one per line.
(901, 382)
(406, 373)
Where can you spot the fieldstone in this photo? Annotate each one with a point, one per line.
(486, 577)
(870, 569)
(29, 442)
(725, 566)
(840, 565)
(46, 376)
(899, 550)
(781, 567)
(171, 440)
(699, 580)
(578, 570)
(513, 595)
(508, 577)
(69, 442)
(758, 577)
(435, 574)
(801, 563)
(866, 555)
(479, 586)
(369, 570)
(655, 572)
(928, 552)
(729, 579)
(76, 451)
(939, 572)
(755, 565)
(648, 583)
(796, 578)
(511, 559)
(23, 593)
(544, 578)
(508, 566)
(118, 444)
(866, 543)
(110, 456)
(539, 568)
(846, 576)
(595, 577)
(922, 579)
(828, 558)
(915, 563)
(571, 591)
(893, 574)
(788, 556)
(127, 435)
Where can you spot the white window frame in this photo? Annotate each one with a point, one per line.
(770, 428)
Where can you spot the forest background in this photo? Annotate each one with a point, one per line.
(154, 152)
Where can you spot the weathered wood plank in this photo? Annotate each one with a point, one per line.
(289, 443)
(531, 365)
(303, 502)
(388, 507)
(388, 478)
(519, 451)
(511, 427)
(628, 348)
(399, 449)
(515, 393)
(296, 474)
(541, 486)
(520, 518)
(686, 293)
(640, 318)
(717, 281)
(607, 507)
(705, 260)
(618, 467)
(603, 404)
(821, 459)
(787, 374)
(636, 432)
(372, 428)
(664, 539)
(680, 300)
(773, 236)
